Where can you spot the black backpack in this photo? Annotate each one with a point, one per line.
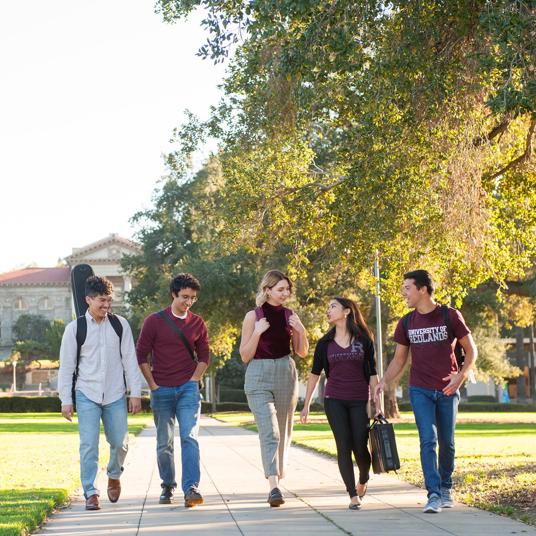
(81, 333)
(458, 349)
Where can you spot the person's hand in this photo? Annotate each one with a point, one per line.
(377, 394)
(67, 411)
(304, 414)
(455, 381)
(295, 323)
(134, 405)
(261, 326)
(154, 386)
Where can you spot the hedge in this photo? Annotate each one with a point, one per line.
(52, 404)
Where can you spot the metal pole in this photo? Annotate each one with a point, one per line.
(379, 345)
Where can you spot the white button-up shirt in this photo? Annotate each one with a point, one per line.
(100, 370)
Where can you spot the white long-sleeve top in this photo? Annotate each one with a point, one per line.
(100, 371)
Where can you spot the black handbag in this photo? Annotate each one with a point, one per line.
(184, 340)
(382, 444)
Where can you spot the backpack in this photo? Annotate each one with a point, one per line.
(81, 333)
(459, 352)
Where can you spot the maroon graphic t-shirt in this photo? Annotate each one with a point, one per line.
(431, 345)
(346, 375)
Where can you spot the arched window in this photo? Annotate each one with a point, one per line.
(20, 304)
(45, 304)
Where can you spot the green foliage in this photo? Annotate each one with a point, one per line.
(351, 127)
(30, 327)
(37, 338)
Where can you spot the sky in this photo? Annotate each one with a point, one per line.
(90, 91)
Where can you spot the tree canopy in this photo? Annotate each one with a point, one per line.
(351, 126)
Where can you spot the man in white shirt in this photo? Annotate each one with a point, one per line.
(97, 362)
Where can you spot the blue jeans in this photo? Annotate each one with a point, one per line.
(114, 419)
(184, 404)
(435, 415)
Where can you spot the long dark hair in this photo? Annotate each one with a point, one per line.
(355, 323)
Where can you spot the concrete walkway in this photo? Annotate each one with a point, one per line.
(235, 494)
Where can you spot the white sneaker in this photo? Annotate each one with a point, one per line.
(446, 498)
(433, 506)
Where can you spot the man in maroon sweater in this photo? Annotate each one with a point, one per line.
(173, 378)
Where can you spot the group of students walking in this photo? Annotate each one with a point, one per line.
(105, 366)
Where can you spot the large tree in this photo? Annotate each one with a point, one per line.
(407, 127)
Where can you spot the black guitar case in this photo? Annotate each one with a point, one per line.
(79, 275)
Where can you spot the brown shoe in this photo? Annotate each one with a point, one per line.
(114, 489)
(93, 503)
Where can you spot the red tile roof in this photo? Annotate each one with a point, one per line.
(36, 276)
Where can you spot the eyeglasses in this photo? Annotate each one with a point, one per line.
(186, 298)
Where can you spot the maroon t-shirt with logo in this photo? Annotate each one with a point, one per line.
(431, 345)
(346, 372)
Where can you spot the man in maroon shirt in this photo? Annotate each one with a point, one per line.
(173, 378)
(431, 332)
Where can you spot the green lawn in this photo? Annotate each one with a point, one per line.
(39, 466)
(495, 456)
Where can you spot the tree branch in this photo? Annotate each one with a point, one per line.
(321, 186)
(493, 133)
(521, 158)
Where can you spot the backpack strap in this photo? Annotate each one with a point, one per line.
(118, 327)
(446, 319)
(179, 333)
(81, 333)
(405, 323)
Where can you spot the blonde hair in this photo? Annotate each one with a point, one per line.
(269, 281)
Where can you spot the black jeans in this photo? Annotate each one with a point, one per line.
(349, 422)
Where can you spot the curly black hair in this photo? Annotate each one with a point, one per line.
(98, 286)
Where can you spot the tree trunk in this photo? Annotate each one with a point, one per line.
(213, 391)
(532, 364)
(390, 402)
(521, 363)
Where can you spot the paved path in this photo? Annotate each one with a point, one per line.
(235, 494)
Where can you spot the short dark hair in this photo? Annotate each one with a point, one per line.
(181, 281)
(422, 278)
(97, 286)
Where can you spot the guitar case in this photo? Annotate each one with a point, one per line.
(79, 275)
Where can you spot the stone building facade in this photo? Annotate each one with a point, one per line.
(47, 291)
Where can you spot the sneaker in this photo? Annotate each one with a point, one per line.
(192, 497)
(446, 498)
(275, 498)
(433, 506)
(166, 496)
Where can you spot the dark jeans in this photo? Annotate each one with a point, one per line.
(435, 415)
(349, 422)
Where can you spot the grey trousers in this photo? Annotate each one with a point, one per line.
(271, 387)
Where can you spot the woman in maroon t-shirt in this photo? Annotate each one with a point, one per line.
(271, 383)
(346, 354)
